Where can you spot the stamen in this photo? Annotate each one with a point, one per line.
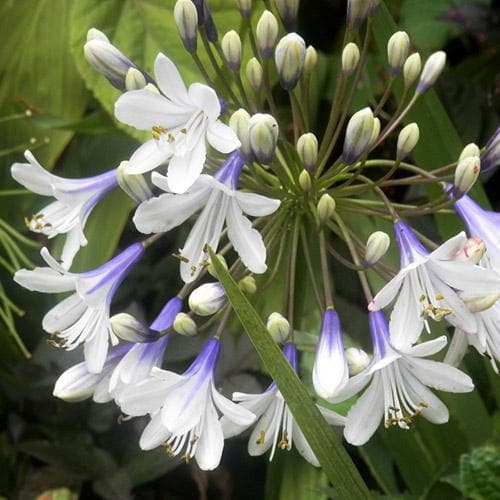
(180, 257)
(262, 438)
(157, 131)
(284, 443)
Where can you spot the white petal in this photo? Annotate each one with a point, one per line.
(96, 349)
(33, 176)
(388, 292)
(266, 428)
(64, 314)
(222, 138)
(427, 348)
(330, 372)
(303, 446)
(169, 80)
(51, 262)
(206, 99)
(256, 205)
(101, 393)
(211, 442)
(450, 247)
(184, 169)
(353, 386)
(75, 239)
(457, 349)
(142, 398)
(148, 156)
(76, 384)
(332, 417)
(237, 413)
(44, 279)
(154, 434)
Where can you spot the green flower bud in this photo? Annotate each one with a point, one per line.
(152, 88)
(376, 247)
(211, 269)
(248, 285)
(307, 149)
(240, 123)
(288, 12)
(207, 299)
(357, 360)
(231, 48)
(254, 74)
(186, 19)
(134, 80)
(185, 325)
(128, 328)
(358, 135)
(432, 69)
(466, 175)
(407, 140)
(245, 8)
(411, 68)
(375, 132)
(469, 150)
(326, 207)
(135, 185)
(289, 57)
(397, 51)
(311, 60)
(267, 34)
(305, 181)
(350, 58)
(278, 327)
(264, 132)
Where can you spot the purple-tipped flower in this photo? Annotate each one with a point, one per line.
(83, 317)
(433, 68)
(330, 371)
(183, 410)
(491, 156)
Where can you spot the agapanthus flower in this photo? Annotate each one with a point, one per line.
(275, 425)
(75, 200)
(183, 410)
(222, 204)
(428, 284)
(180, 120)
(398, 383)
(83, 317)
(491, 156)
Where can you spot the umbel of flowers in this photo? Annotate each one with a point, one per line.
(259, 188)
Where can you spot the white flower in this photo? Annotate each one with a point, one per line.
(275, 418)
(222, 204)
(83, 317)
(183, 410)
(180, 120)
(399, 382)
(75, 200)
(427, 286)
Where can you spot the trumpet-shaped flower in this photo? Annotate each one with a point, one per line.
(222, 204)
(83, 317)
(398, 383)
(183, 410)
(180, 120)
(75, 200)
(275, 419)
(427, 286)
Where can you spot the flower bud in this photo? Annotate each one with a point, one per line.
(466, 175)
(207, 299)
(267, 34)
(211, 269)
(407, 140)
(248, 285)
(397, 51)
(357, 11)
(186, 19)
(231, 48)
(307, 149)
(350, 58)
(289, 57)
(472, 251)
(311, 60)
(479, 303)
(432, 69)
(128, 328)
(185, 325)
(411, 68)
(358, 135)
(305, 181)
(376, 247)
(357, 360)
(326, 207)
(134, 80)
(245, 8)
(152, 88)
(240, 123)
(491, 156)
(254, 74)
(469, 150)
(375, 132)
(263, 136)
(135, 185)
(278, 327)
(287, 10)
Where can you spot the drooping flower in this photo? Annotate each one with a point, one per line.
(275, 418)
(222, 204)
(398, 383)
(180, 120)
(83, 317)
(427, 286)
(75, 200)
(183, 410)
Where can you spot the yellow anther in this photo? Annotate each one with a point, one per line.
(186, 457)
(157, 131)
(439, 297)
(262, 438)
(422, 298)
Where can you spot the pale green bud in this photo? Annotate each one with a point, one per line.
(397, 51)
(231, 48)
(211, 268)
(267, 34)
(289, 57)
(127, 327)
(307, 149)
(248, 285)
(375, 132)
(358, 135)
(469, 150)
(466, 175)
(264, 132)
(245, 8)
(134, 80)
(185, 325)
(407, 140)
(305, 181)
(432, 69)
(479, 303)
(135, 185)
(278, 327)
(186, 19)
(254, 74)
(472, 252)
(357, 360)
(350, 58)
(411, 68)
(376, 247)
(207, 299)
(240, 123)
(288, 12)
(326, 207)
(152, 88)
(311, 60)
(357, 11)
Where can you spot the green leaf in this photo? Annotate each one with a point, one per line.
(480, 473)
(335, 461)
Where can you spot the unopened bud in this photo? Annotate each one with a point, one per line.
(311, 60)
(207, 299)
(375, 132)
(307, 149)
(211, 268)
(134, 80)
(185, 325)
(357, 11)
(411, 68)
(231, 48)
(248, 285)
(254, 74)
(479, 303)
(263, 136)
(135, 185)
(358, 135)
(357, 360)
(491, 156)
(240, 123)
(407, 140)
(376, 247)
(289, 57)
(350, 58)
(152, 88)
(287, 10)
(466, 175)
(432, 69)
(278, 327)
(186, 19)
(127, 327)
(245, 8)
(469, 150)
(326, 207)
(267, 34)
(397, 51)
(305, 181)
(473, 251)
